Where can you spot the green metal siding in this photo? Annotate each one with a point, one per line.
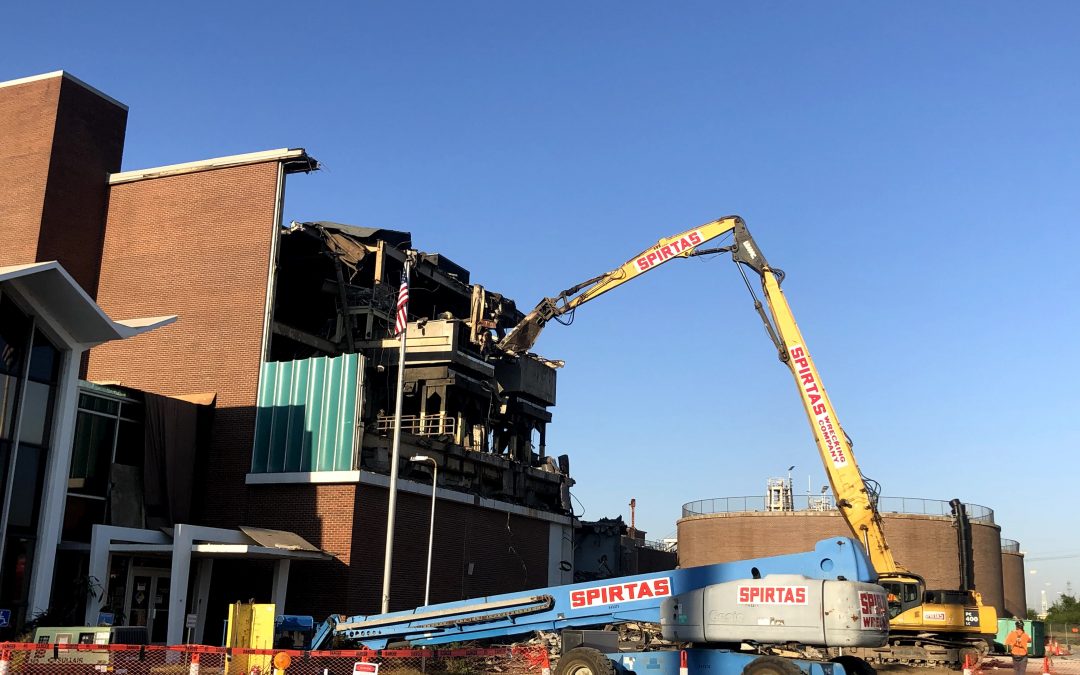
(306, 417)
(1035, 629)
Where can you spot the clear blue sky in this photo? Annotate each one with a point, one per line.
(913, 167)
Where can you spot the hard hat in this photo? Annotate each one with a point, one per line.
(1019, 624)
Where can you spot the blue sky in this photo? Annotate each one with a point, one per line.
(912, 167)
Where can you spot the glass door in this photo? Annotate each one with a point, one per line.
(147, 601)
(159, 611)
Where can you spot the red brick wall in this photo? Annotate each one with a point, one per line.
(349, 521)
(196, 245)
(27, 121)
(58, 143)
(323, 515)
(88, 145)
(508, 552)
(989, 577)
(1014, 585)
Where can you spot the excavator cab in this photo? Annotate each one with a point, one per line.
(904, 593)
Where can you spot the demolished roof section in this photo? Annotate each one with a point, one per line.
(485, 414)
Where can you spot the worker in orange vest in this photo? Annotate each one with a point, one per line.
(1017, 642)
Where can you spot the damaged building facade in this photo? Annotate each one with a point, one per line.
(283, 341)
(483, 413)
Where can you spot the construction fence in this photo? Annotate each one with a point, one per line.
(1062, 639)
(84, 659)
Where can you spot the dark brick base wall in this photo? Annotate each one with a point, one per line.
(477, 551)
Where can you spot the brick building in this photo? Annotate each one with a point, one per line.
(283, 327)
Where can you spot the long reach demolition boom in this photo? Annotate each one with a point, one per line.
(927, 626)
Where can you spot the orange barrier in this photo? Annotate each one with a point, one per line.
(79, 659)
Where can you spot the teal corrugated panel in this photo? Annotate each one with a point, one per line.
(279, 433)
(313, 396)
(294, 444)
(264, 415)
(329, 419)
(306, 415)
(347, 414)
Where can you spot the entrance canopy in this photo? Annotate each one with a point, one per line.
(204, 544)
(59, 296)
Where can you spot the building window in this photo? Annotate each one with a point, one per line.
(91, 454)
(108, 432)
(29, 373)
(37, 412)
(14, 329)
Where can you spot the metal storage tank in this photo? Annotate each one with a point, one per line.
(1013, 579)
(921, 533)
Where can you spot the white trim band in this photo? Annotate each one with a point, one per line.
(379, 480)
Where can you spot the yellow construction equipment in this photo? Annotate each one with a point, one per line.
(926, 626)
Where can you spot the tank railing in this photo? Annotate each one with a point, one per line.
(1010, 546)
(824, 502)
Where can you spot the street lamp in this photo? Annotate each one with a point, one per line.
(790, 489)
(431, 527)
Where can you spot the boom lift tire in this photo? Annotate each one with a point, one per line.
(771, 665)
(853, 665)
(584, 661)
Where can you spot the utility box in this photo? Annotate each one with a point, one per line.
(1036, 630)
(83, 635)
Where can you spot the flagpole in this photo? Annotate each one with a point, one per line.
(394, 459)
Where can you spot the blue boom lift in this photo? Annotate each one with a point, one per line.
(733, 614)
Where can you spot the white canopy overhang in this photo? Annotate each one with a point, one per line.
(60, 298)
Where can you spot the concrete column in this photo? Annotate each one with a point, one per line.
(99, 571)
(202, 595)
(560, 548)
(101, 539)
(184, 536)
(54, 493)
(281, 585)
(178, 583)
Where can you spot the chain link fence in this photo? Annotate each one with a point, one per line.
(84, 659)
(1062, 639)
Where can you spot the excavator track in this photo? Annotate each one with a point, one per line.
(925, 651)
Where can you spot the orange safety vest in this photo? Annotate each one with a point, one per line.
(1018, 642)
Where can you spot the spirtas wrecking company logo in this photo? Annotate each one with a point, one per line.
(873, 610)
(628, 592)
(661, 253)
(772, 595)
(815, 400)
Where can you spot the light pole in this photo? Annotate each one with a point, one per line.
(431, 527)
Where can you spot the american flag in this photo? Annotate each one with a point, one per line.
(402, 306)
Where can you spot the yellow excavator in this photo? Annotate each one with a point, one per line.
(926, 626)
